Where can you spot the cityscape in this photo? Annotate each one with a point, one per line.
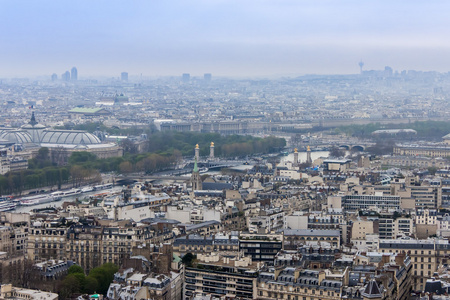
(224, 150)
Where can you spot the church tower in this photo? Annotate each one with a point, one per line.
(196, 180)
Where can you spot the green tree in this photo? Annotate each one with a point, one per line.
(188, 258)
(432, 170)
(125, 167)
(75, 269)
(91, 285)
(104, 276)
(81, 157)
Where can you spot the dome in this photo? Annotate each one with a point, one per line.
(69, 137)
(29, 126)
(16, 136)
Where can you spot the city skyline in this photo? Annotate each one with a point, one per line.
(225, 38)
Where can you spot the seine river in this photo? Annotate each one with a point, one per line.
(290, 157)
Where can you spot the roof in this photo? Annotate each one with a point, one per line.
(310, 232)
(73, 137)
(372, 290)
(176, 258)
(17, 136)
(216, 186)
(85, 110)
(201, 225)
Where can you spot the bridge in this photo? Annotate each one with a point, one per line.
(177, 174)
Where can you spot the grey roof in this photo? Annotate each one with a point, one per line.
(193, 240)
(216, 186)
(372, 290)
(73, 137)
(17, 136)
(201, 225)
(310, 232)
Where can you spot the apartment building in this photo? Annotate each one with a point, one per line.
(425, 256)
(230, 277)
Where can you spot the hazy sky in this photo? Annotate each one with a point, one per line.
(231, 38)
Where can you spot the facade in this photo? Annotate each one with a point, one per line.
(422, 151)
(84, 246)
(296, 283)
(268, 221)
(222, 277)
(46, 241)
(364, 202)
(295, 238)
(426, 255)
(222, 127)
(413, 161)
(386, 228)
(260, 247)
(403, 226)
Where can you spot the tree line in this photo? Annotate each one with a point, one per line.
(425, 129)
(226, 146)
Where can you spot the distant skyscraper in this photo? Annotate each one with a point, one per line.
(54, 77)
(124, 76)
(65, 76)
(186, 77)
(361, 65)
(74, 74)
(207, 77)
(388, 71)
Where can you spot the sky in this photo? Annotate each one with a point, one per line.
(226, 38)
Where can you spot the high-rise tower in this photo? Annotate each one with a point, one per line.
(361, 65)
(186, 77)
(124, 76)
(74, 74)
(65, 76)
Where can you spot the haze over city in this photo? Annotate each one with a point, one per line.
(224, 150)
(226, 38)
